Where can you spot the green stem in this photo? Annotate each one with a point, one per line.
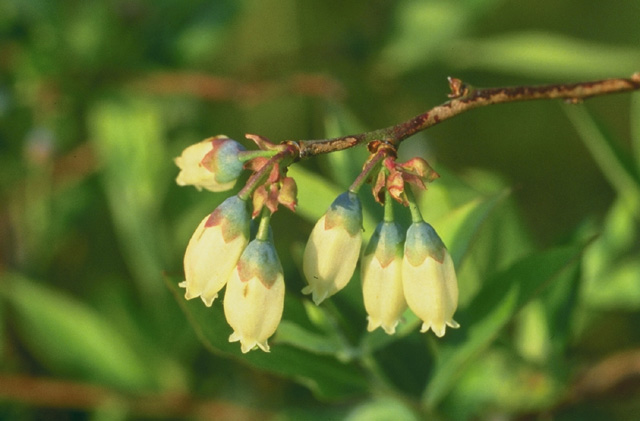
(416, 216)
(263, 229)
(245, 156)
(388, 206)
(284, 158)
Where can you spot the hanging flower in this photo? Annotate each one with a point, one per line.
(381, 271)
(429, 279)
(214, 249)
(254, 299)
(212, 164)
(333, 248)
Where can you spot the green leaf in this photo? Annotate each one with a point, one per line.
(498, 383)
(344, 165)
(461, 226)
(614, 166)
(635, 128)
(425, 30)
(496, 304)
(382, 409)
(324, 375)
(612, 264)
(292, 334)
(541, 54)
(129, 137)
(72, 339)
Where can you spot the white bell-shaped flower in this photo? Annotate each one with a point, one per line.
(332, 251)
(254, 298)
(429, 279)
(381, 273)
(214, 249)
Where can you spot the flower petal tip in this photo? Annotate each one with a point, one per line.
(234, 337)
(372, 325)
(453, 324)
(208, 301)
(246, 346)
(438, 330)
(264, 346)
(316, 297)
(389, 329)
(190, 295)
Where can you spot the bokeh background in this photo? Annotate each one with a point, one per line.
(538, 202)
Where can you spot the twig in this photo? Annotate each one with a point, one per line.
(464, 98)
(214, 88)
(606, 376)
(53, 393)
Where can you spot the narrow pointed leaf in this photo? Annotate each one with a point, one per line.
(72, 339)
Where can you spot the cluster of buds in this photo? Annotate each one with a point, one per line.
(398, 271)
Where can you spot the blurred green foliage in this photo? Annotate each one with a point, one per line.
(539, 204)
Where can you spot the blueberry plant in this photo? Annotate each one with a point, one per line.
(400, 269)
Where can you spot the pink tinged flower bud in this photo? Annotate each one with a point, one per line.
(429, 279)
(214, 249)
(333, 248)
(212, 164)
(381, 270)
(254, 298)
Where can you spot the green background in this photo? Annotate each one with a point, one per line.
(538, 202)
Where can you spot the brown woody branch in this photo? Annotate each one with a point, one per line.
(464, 98)
(54, 393)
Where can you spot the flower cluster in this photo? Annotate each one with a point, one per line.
(220, 254)
(398, 271)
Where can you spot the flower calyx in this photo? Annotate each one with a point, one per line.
(269, 186)
(393, 177)
(277, 189)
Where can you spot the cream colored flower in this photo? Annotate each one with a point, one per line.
(254, 298)
(214, 250)
(212, 164)
(381, 273)
(429, 279)
(332, 251)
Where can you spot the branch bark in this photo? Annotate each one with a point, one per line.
(464, 98)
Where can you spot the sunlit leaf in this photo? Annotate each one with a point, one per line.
(541, 54)
(128, 136)
(382, 410)
(424, 29)
(461, 226)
